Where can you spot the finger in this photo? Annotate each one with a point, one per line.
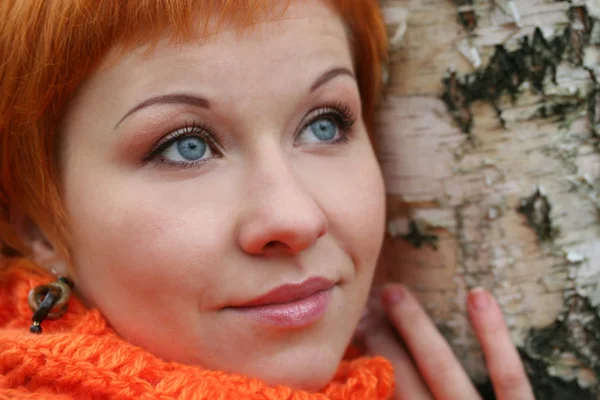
(381, 340)
(504, 364)
(436, 362)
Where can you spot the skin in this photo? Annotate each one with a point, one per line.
(424, 365)
(163, 249)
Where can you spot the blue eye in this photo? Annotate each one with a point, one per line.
(327, 126)
(324, 129)
(191, 148)
(185, 149)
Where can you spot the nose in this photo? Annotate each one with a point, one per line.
(280, 214)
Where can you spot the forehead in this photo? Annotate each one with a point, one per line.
(309, 31)
(259, 74)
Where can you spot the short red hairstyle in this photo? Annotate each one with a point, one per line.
(48, 48)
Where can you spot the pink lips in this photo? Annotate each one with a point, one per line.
(290, 306)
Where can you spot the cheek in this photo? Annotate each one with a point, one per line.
(354, 198)
(143, 242)
(366, 211)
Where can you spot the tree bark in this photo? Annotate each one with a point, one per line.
(493, 176)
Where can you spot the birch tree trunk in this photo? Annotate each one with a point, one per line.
(491, 156)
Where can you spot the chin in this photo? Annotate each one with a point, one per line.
(301, 368)
(303, 374)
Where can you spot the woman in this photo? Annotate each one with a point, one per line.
(202, 172)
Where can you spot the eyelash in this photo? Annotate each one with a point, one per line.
(340, 113)
(193, 129)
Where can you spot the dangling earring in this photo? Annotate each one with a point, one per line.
(49, 301)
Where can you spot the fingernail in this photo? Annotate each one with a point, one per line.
(364, 319)
(365, 314)
(393, 295)
(479, 298)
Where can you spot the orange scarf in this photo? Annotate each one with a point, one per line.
(80, 357)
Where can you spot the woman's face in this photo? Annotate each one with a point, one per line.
(202, 176)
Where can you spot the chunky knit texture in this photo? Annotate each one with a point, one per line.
(81, 357)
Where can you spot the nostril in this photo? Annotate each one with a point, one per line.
(275, 247)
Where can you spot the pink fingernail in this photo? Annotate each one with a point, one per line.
(393, 295)
(479, 299)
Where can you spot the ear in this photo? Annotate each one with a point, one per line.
(42, 252)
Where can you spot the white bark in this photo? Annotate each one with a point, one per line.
(466, 190)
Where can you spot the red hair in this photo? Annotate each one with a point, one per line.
(48, 48)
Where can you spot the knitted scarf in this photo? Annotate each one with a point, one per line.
(80, 357)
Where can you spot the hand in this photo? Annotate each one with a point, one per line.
(424, 364)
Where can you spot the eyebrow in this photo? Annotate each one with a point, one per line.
(180, 98)
(168, 99)
(329, 75)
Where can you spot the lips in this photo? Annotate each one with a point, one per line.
(290, 292)
(292, 306)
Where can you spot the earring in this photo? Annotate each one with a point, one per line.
(49, 301)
